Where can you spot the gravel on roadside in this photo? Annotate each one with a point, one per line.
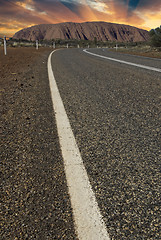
(34, 198)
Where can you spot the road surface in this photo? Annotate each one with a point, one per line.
(114, 112)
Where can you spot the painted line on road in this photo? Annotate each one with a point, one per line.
(121, 61)
(89, 224)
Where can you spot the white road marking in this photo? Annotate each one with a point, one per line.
(88, 220)
(121, 61)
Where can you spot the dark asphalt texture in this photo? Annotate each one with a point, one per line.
(151, 62)
(114, 110)
(34, 198)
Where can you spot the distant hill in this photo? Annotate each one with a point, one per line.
(103, 31)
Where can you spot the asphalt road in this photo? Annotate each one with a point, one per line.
(114, 111)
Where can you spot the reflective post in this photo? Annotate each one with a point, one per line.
(37, 44)
(5, 46)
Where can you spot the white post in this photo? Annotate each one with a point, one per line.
(37, 44)
(88, 46)
(53, 44)
(67, 45)
(116, 47)
(78, 45)
(5, 46)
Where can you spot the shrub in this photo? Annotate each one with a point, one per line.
(155, 35)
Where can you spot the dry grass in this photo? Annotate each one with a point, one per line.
(145, 51)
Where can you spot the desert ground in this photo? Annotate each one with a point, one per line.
(141, 51)
(35, 203)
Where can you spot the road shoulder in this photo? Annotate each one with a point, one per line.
(35, 201)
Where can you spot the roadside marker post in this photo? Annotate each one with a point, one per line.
(116, 47)
(5, 46)
(37, 44)
(53, 44)
(67, 45)
(78, 45)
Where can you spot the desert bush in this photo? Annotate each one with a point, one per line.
(155, 35)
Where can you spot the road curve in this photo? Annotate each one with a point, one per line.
(114, 112)
(88, 220)
(123, 61)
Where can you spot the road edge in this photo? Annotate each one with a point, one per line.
(124, 62)
(89, 223)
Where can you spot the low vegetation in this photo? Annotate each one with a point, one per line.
(71, 43)
(151, 48)
(155, 35)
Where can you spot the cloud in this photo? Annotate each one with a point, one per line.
(18, 14)
(21, 14)
(140, 13)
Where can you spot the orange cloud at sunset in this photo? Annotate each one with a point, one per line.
(15, 15)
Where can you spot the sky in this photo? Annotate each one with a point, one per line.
(18, 14)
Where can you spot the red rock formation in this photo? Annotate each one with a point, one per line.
(103, 31)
